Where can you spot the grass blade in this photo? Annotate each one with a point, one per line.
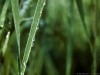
(33, 29)
(93, 50)
(81, 11)
(6, 43)
(3, 13)
(95, 25)
(15, 11)
(50, 67)
(70, 43)
(39, 62)
(2, 19)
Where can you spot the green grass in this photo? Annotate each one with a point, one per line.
(32, 33)
(59, 40)
(16, 16)
(3, 13)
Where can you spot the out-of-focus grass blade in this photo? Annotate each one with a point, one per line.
(2, 19)
(95, 25)
(25, 6)
(3, 13)
(15, 11)
(6, 43)
(81, 11)
(39, 62)
(50, 67)
(70, 43)
(32, 33)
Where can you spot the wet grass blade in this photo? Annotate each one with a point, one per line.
(32, 33)
(15, 11)
(3, 13)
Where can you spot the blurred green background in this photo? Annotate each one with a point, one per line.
(61, 45)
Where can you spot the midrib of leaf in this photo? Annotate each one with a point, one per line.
(3, 13)
(15, 11)
(32, 33)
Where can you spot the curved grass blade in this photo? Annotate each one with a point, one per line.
(32, 33)
(81, 11)
(15, 11)
(3, 13)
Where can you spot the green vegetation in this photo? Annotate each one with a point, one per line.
(49, 37)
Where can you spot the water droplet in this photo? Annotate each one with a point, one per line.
(44, 3)
(21, 73)
(9, 23)
(29, 34)
(23, 64)
(33, 39)
(1, 25)
(7, 36)
(37, 28)
(40, 12)
(32, 45)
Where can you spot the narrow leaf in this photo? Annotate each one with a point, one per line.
(2, 19)
(81, 11)
(6, 43)
(69, 43)
(3, 13)
(32, 33)
(15, 11)
(50, 67)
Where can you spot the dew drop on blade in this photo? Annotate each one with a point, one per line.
(1, 25)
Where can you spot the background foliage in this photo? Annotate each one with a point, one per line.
(61, 45)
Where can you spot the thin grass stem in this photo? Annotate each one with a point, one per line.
(32, 33)
(15, 11)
